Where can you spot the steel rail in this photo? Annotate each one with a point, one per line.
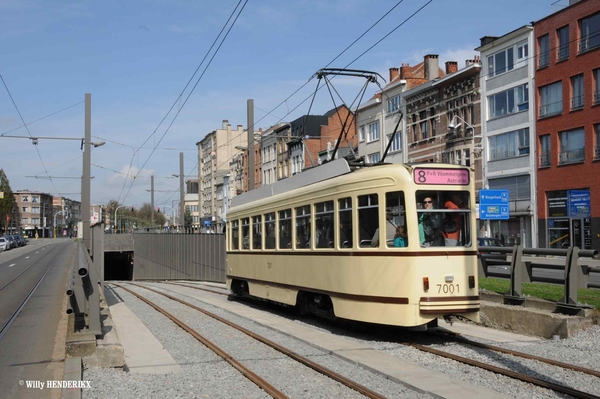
(463, 340)
(18, 275)
(513, 374)
(255, 378)
(299, 358)
(197, 288)
(16, 313)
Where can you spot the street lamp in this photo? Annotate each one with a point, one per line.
(116, 224)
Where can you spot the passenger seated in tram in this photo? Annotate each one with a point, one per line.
(390, 230)
(430, 224)
(400, 239)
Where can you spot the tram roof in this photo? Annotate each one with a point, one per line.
(323, 172)
(314, 175)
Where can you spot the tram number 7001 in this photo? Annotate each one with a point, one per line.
(448, 288)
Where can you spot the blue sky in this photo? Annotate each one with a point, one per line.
(136, 57)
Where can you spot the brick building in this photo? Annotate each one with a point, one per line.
(568, 125)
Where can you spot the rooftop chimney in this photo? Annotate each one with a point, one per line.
(487, 39)
(432, 67)
(393, 74)
(225, 123)
(451, 67)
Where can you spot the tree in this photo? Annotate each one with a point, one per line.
(6, 202)
(144, 215)
(188, 219)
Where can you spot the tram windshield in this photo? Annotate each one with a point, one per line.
(444, 218)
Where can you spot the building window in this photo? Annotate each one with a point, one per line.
(551, 100)
(25, 198)
(35, 199)
(597, 86)
(572, 146)
(374, 157)
(509, 102)
(544, 45)
(589, 28)
(361, 133)
(522, 54)
(393, 104)
(35, 221)
(545, 150)
(35, 210)
(374, 131)
(25, 209)
(25, 220)
(396, 141)
(501, 62)
(562, 35)
(577, 92)
(597, 144)
(509, 145)
(519, 187)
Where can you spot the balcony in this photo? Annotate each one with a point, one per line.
(577, 102)
(545, 159)
(572, 156)
(544, 60)
(550, 110)
(563, 52)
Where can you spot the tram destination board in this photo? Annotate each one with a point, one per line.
(493, 204)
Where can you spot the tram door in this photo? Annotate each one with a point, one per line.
(577, 233)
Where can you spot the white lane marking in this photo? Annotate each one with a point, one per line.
(12, 265)
(37, 252)
(27, 257)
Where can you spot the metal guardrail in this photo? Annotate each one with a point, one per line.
(576, 272)
(84, 285)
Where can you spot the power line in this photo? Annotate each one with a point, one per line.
(37, 120)
(27, 128)
(190, 80)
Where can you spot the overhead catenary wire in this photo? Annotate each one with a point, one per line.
(195, 85)
(27, 128)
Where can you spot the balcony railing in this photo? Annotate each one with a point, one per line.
(597, 96)
(563, 52)
(545, 159)
(544, 59)
(550, 110)
(572, 156)
(577, 102)
(597, 152)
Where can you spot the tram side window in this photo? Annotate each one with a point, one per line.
(368, 219)
(396, 230)
(285, 229)
(270, 230)
(444, 218)
(345, 215)
(324, 231)
(246, 233)
(303, 227)
(256, 232)
(235, 235)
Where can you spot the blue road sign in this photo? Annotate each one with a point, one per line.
(493, 204)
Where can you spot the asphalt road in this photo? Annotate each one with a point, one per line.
(32, 349)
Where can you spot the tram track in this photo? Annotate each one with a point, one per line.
(11, 319)
(260, 382)
(557, 387)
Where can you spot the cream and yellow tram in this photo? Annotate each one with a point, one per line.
(326, 241)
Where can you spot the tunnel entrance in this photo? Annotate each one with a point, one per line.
(118, 265)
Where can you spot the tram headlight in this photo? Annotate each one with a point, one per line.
(471, 281)
(426, 283)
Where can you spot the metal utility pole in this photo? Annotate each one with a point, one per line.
(250, 110)
(181, 194)
(86, 178)
(152, 201)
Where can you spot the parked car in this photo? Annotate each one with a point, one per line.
(489, 242)
(11, 242)
(4, 244)
(19, 240)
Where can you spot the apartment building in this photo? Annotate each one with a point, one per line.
(215, 152)
(36, 214)
(378, 117)
(567, 75)
(67, 213)
(508, 116)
